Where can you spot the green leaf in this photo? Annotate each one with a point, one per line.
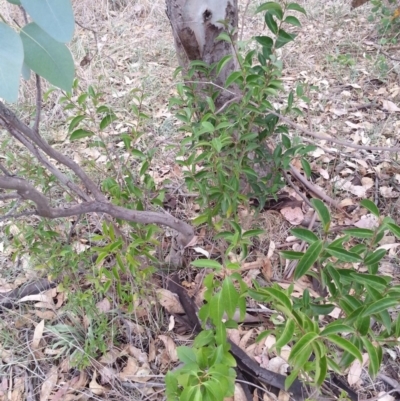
(359, 232)
(16, 2)
(79, 134)
(55, 17)
(75, 121)
(344, 255)
(11, 61)
(207, 263)
(236, 75)
(47, 57)
(334, 328)
(375, 257)
(107, 120)
(291, 255)
(370, 206)
(221, 64)
(283, 38)
(394, 228)
(270, 5)
(373, 368)
(186, 354)
(380, 305)
(308, 259)
(230, 297)
(296, 7)
(304, 235)
(26, 74)
(253, 233)
(306, 167)
(371, 279)
(323, 213)
(286, 335)
(321, 370)
(345, 345)
(292, 20)
(302, 345)
(271, 23)
(216, 308)
(279, 296)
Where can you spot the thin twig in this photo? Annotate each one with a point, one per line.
(315, 190)
(243, 19)
(38, 103)
(290, 182)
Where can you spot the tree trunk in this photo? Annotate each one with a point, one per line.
(195, 27)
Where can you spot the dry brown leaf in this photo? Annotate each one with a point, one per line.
(389, 106)
(355, 371)
(138, 354)
(382, 396)
(245, 339)
(278, 365)
(152, 350)
(266, 269)
(136, 328)
(171, 324)
(169, 301)
(44, 298)
(49, 384)
(368, 221)
(17, 393)
(170, 347)
(95, 387)
(110, 356)
(129, 370)
(239, 394)
(283, 396)
(45, 315)
(294, 215)
(37, 335)
(104, 305)
(387, 192)
(234, 335)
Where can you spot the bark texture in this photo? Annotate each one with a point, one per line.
(195, 28)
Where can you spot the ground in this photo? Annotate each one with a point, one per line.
(120, 46)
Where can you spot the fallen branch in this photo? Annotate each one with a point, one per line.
(43, 209)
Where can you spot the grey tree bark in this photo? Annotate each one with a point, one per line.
(195, 28)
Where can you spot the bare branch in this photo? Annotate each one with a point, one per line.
(38, 103)
(43, 209)
(12, 123)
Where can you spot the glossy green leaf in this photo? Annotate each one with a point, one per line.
(306, 167)
(75, 121)
(283, 38)
(79, 134)
(343, 255)
(375, 257)
(296, 7)
(216, 308)
(207, 263)
(230, 297)
(309, 258)
(321, 370)
(270, 5)
(107, 120)
(380, 305)
(394, 228)
(271, 23)
(359, 232)
(291, 255)
(286, 335)
(304, 234)
(302, 346)
(370, 206)
(374, 363)
(323, 213)
(48, 58)
(334, 328)
(11, 61)
(292, 20)
(186, 354)
(345, 345)
(279, 296)
(55, 17)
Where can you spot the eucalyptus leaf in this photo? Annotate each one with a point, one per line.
(48, 58)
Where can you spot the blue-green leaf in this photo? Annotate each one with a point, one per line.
(48, 58)
(11, 60)
(55, 17)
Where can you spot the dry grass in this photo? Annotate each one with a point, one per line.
(131, 46)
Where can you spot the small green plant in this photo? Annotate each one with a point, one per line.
(387, 14)
(347, 268)
(342, 59)
(226, 157)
